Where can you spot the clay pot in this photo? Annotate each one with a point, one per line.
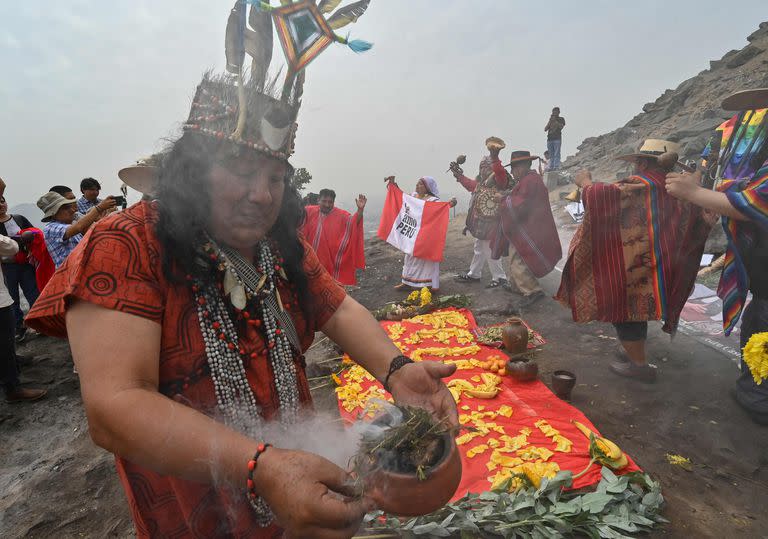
(523, 370)
(406, 495)
(563, 383)
(515, 336)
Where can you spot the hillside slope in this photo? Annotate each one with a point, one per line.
(687, 114)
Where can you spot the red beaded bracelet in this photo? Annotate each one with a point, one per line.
(252, 468)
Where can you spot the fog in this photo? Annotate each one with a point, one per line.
(89, 87)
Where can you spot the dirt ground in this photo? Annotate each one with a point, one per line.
(55, 483)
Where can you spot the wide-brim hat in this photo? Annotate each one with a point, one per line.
(521, 156)
(653, 147)
(50, 203)
(747, 100)
(141, 177)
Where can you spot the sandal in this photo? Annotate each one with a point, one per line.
(510, 288)
(495, 283)
(467, 278)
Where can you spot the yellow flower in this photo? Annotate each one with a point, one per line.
(756, 356)
(564, 445)
(441, 319)
(679, 460)
(536, 471)
(395, 331)
(425, 297)
(535, 453)
(477, 450)
(505, 410)
(529, 473)
(413, 296)
(443, 352)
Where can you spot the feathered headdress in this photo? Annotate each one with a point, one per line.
(250, 112)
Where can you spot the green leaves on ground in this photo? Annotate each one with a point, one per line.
(619, 507)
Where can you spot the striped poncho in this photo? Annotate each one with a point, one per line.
(636, 254)
(750, 197)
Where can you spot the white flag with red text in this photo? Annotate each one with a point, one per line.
(414, 226)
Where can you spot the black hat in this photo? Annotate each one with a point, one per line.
(521, 156)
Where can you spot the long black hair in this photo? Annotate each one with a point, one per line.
(184, 205)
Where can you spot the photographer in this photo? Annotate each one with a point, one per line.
(62, 232)
(90, 188)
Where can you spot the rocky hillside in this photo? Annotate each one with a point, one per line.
(687, 114)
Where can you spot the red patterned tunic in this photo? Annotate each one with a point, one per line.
(117, 266)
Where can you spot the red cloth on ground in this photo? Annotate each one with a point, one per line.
(527, 223)
(337, 238)
(37, 254)
(117, 267)
(636, 254)
(530, 401)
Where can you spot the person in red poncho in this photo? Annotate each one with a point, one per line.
(336, 236)
(527, 230)
(635, 256)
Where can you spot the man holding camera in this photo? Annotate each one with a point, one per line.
(90, 188)
(554, 129)
(62, 232)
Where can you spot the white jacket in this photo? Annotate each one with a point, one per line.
(8, 247)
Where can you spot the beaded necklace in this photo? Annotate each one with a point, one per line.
(252, 292)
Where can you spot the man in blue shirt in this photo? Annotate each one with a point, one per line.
(62, 232)
(90, 189)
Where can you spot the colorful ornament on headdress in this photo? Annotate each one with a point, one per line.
(246, 112)
(304, 31)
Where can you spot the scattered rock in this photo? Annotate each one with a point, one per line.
(744, 56)
(687, 114)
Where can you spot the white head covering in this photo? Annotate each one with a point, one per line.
(431, 184)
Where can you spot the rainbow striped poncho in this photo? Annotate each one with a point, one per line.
(750, 197)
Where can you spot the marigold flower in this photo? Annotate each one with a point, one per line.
(756, 356)
(425, 297)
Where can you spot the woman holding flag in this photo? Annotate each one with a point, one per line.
(415, 222)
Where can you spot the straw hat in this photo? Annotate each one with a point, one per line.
(653, 147)
(140, 176)
(521, 156)
(50, 203)
(747, 100)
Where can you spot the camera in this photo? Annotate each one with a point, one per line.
(120, 201)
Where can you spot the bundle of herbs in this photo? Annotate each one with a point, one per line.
(403, 440)
(619, 507)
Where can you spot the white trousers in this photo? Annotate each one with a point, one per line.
(483, 255)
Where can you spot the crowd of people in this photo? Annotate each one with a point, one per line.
(29, 266)
(636, 255)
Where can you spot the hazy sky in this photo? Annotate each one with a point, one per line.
(88, 87)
